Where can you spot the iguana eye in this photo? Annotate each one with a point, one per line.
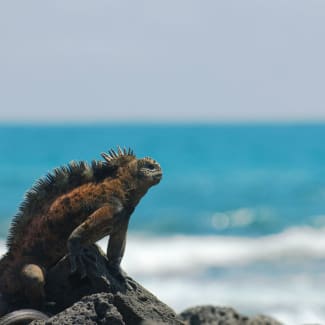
(151, 166)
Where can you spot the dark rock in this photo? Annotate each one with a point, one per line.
(92, 310)
(101, 297)
(213, 315)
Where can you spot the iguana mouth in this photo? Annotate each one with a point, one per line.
(157, 175)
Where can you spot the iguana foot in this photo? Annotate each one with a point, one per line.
(119, 275)
(117, 272)
(79, 259)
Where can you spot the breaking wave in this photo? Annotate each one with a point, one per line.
(191, 254)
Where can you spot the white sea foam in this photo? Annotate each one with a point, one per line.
(292, 301)
(191, 254)
(280, 275)
(2, 247)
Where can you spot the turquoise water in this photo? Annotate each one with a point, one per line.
(256, 179)
(240, 208)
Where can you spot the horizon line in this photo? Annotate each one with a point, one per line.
(45, 123)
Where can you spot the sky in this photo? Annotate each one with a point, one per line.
(167, 60)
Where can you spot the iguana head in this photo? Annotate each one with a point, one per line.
(146, 172)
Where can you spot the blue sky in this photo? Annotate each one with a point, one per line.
(183, 60)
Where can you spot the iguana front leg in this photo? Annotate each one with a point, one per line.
(95, 227)
(116, 248)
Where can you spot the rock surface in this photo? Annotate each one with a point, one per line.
(95, 309)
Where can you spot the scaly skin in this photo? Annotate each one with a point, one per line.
(70, 209)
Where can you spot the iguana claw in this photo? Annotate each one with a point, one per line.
(117, 272)
(80, 259)
(119, 275)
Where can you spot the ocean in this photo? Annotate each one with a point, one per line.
(237, 220)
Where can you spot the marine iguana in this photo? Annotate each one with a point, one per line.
(70, 208)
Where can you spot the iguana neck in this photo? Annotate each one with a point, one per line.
(135, 195)
(134, 189)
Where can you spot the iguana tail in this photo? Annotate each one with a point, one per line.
(9, 283)
(4, 264)
(22, 316)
